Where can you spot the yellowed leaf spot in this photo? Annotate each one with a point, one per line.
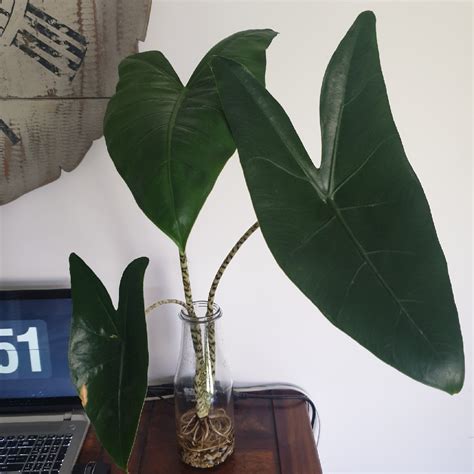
(83, 395)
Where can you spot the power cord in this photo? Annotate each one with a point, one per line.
(165, 392)
(253, 392)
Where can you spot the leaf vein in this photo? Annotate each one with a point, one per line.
(348, 289)
(364, 163)
(308, 239)
(376, 272)
(282, 168)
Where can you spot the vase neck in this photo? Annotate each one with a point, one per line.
(201, 316)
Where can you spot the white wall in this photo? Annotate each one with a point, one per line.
(373, 418)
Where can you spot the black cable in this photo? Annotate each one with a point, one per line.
(270, 396)
(161, 390)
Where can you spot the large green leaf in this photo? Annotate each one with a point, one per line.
(168, 141)
(356, 236)
(108, 354)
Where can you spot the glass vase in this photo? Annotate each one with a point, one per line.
(203, 391)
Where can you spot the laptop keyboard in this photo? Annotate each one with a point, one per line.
(33, 454)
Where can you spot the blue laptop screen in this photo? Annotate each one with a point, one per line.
(34, 337)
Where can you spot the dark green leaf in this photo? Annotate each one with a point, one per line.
(356, 236)
(108, 354)
(170, 142)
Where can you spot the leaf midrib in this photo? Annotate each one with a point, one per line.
(123, 313)
(332, 165)
(120, 382)
(169, 140)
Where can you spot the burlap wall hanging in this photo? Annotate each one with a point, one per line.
(58, 67)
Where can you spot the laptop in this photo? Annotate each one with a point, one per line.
(42, 423)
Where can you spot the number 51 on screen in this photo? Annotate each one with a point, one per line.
(24, 349)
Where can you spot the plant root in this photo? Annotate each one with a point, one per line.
(205, 442)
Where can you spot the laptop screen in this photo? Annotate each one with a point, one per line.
(34, 337)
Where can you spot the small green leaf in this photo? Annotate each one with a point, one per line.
(170, 142)
(108, 354)
(356, 236)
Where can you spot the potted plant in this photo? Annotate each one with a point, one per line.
(356, 235)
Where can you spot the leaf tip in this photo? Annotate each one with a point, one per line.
(272, 33)
(75, 263)
(457, 383)
(448, 375)
(365, 21)
(143, 261)
(367, 16)
(455, 387)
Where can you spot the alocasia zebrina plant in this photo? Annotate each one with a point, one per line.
(169, 142)
(356, 235)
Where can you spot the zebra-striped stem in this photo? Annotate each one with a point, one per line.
(162, 302)
(203, 401)
(213, 290)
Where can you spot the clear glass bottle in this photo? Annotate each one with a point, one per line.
(203, 391)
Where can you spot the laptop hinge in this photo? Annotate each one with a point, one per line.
(68, 416)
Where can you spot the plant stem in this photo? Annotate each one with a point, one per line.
(188, 294)
(162, 302)
(225, 263)
(201, 376)
(212, 292)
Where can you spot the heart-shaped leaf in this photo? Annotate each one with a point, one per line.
(108, 354)
(169, 142)
(356, 236)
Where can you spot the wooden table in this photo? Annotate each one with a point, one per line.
(272, 437)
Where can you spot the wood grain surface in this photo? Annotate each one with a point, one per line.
(272, 437)
(58, 67)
